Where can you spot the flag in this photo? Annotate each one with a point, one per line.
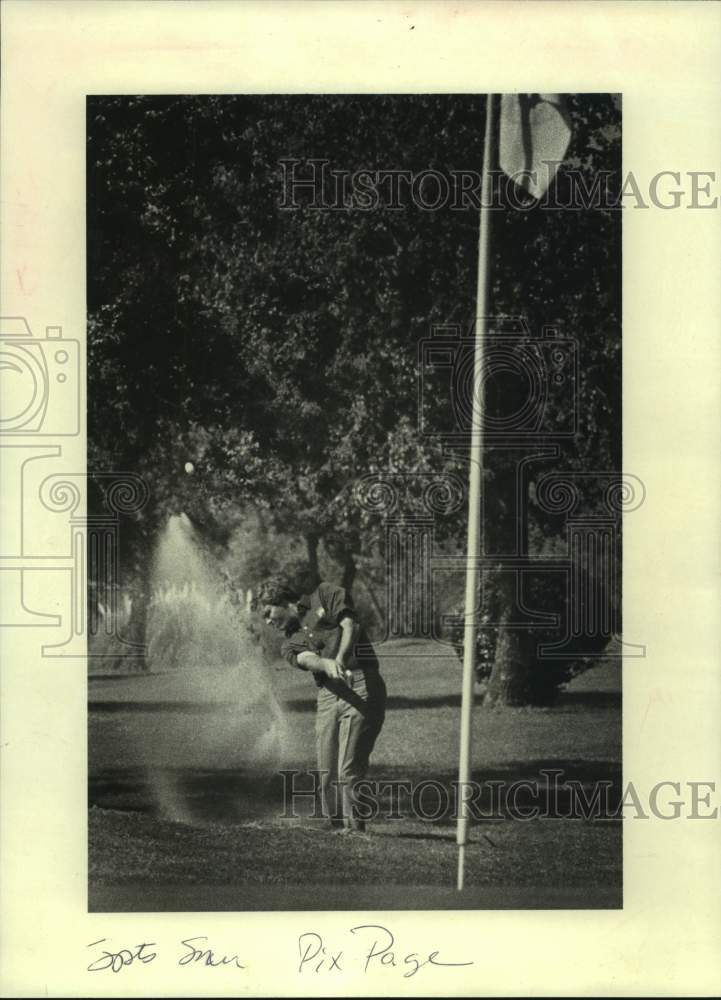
(533, 138)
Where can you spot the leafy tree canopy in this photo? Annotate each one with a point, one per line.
(276, 348)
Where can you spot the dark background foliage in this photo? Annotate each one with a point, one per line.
(277, 349)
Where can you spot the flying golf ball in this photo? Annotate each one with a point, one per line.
(189, 468)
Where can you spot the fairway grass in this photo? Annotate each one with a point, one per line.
(224, 846)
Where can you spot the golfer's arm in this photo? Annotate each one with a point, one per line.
(319, 665)
(348, 632)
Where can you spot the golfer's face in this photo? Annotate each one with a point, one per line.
(275, 615)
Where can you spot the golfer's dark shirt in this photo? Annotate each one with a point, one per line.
(318, 630)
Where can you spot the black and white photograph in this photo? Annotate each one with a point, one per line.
(354, 411)
(359, 437)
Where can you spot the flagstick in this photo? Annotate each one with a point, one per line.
(475, 493)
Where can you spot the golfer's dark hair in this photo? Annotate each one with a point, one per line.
(275, 590)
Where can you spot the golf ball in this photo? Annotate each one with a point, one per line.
(189, 468)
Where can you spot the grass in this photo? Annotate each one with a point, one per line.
(181, 817)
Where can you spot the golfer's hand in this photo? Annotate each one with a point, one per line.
(330, 667)
(342, 670)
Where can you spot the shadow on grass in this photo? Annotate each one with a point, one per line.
(244, 897)
(183, 707)
(448, 837)
(225, 795)
(567, 701)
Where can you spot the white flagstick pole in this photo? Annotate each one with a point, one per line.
(475, 492)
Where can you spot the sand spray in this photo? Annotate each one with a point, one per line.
(223, 715)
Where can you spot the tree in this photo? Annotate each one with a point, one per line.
(277, 348)
(186, 233)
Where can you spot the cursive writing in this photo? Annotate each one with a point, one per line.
(117, 960)
(362, 949)
(205, 956)
(195, 951)
(378, 952)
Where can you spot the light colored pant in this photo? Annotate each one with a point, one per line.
(348, 721)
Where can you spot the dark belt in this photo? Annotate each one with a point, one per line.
(354, 676)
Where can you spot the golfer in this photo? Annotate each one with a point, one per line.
(323, 636)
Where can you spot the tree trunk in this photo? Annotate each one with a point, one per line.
(340, 549)
(349, 573)
(508, 683)
(311, 542)
(374, 601)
